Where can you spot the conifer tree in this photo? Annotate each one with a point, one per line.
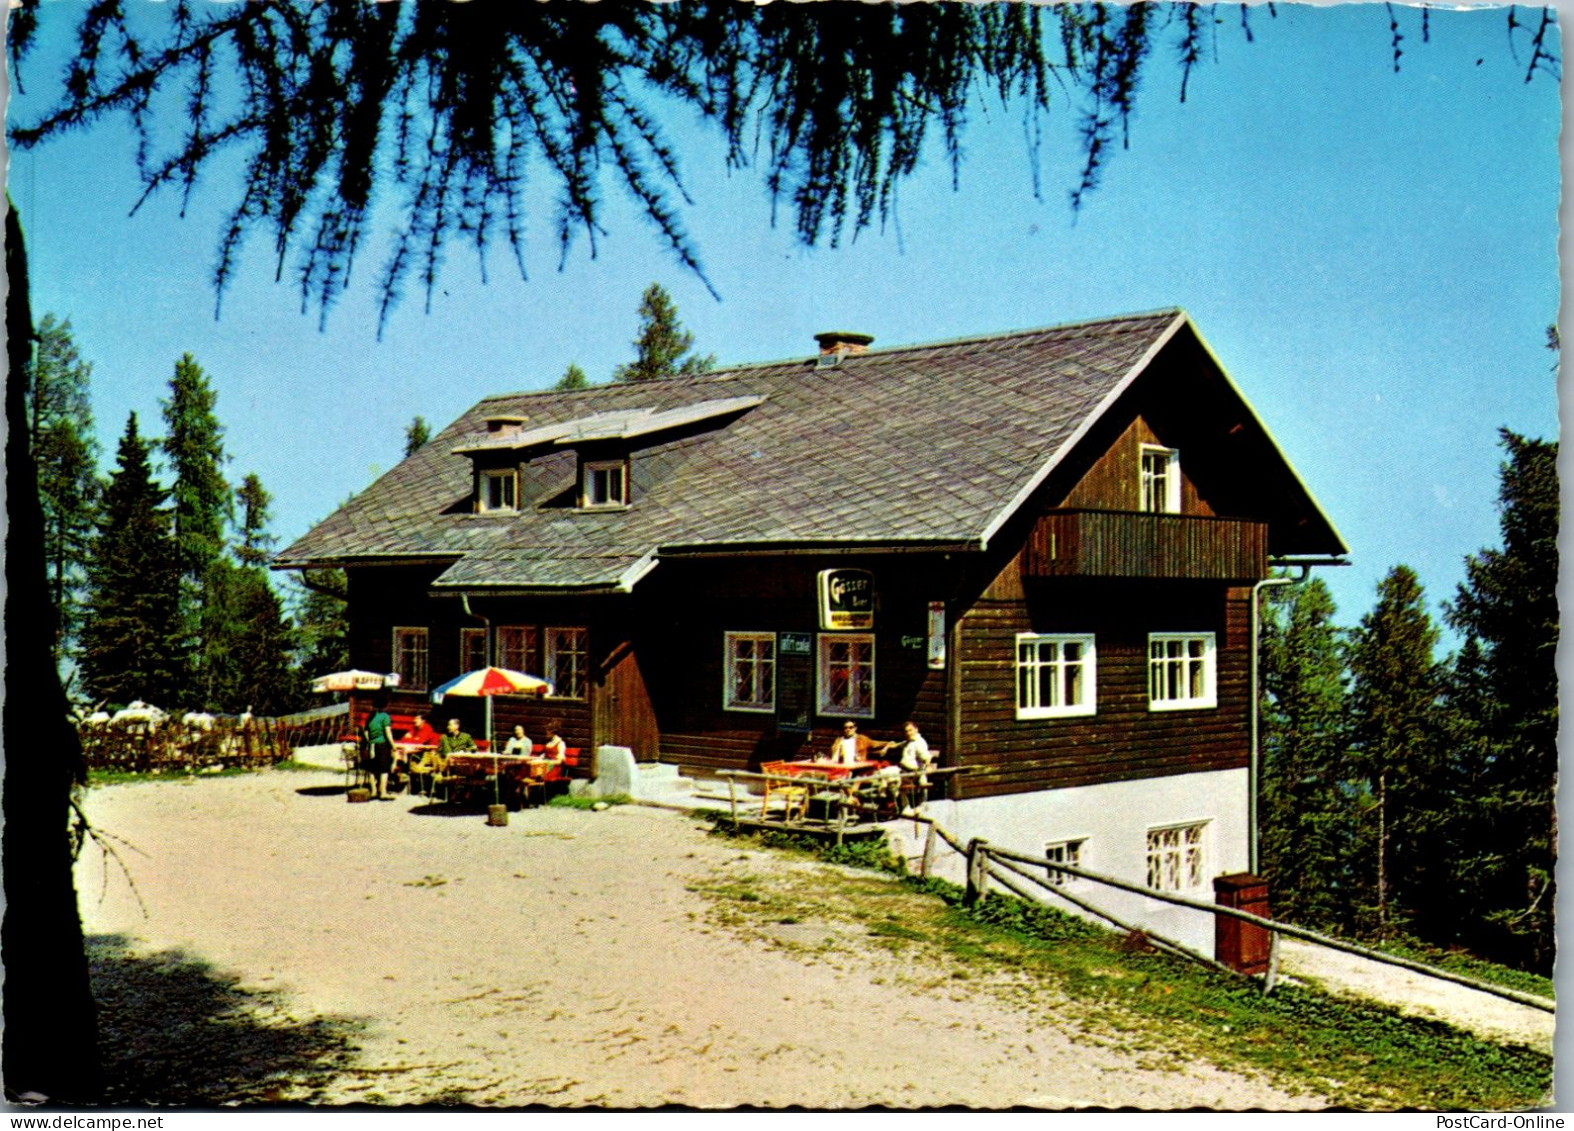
(572, 380)
(65, 452)
(132, 637)
(203, 508)
(1306, 817)
(662, 347)
(323, 636)
(1505, 699)
(252, 550)
(416, 436)
(1395, 754)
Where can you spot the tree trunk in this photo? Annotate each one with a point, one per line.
(51, 1031)
(1382, 854)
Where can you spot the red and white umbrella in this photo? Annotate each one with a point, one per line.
(355, 680)
(491, 681)
(488, 682)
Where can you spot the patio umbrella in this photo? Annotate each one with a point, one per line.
(355, 680)
(487, 682)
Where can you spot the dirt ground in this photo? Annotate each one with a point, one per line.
(289, 946)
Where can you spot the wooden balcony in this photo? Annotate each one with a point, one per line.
(1086, 543)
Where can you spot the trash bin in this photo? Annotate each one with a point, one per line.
(1239, 945)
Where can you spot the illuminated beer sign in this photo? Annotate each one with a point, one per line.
(846, 598)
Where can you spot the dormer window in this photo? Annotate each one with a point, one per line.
(604, 485)
(1161, 493)
(499, 491)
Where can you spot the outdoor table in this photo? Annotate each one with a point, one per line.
(523, 770)
(830, 771)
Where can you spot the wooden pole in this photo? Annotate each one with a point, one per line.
(1290, 930)
(928, 860)
(1271, 978)
(732, 796)
(1165, 943)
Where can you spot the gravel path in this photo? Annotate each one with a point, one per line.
(295, 947)
(1494, 1018)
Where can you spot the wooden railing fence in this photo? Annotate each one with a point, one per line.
(174, 746)
(987, 862)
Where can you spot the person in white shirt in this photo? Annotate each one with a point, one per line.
(915, 758)
(519, 744)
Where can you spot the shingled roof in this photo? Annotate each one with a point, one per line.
(931, 445)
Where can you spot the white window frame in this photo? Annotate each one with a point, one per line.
(582, 670)
(1087, 705)
(504, 650)
(1177, 856)
(823, 678)
(467, 637)
(1071, 851)
(508, 476)
(1171, 502)
(761, 704)
(587, 479)
(407, 679)
(1207, 661)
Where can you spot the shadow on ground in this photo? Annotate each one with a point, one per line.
(323, 791)
(173, 1030)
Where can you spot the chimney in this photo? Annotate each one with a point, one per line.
(842, 343)
(505, 423)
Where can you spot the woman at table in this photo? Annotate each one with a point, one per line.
(519, 744)
(554, 747)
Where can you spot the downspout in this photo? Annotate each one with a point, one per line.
(1254, 766)
(486, 661)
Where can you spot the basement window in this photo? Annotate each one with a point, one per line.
(1067, 852)
(1177, 857)
(604, 485)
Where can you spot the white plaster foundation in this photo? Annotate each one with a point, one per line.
(1113, 821)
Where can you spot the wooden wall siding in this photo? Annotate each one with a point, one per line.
(686, 607)
(621, 705)
(1114, 482)
(1123, 740)
(1134, 544)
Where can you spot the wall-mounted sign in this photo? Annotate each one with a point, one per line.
(794, 643)
(846, 599)
(937, 634)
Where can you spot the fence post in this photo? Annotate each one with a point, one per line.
(929, 851)
(977, 858)
(1271, 978)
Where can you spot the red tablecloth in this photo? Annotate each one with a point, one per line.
(831, 771)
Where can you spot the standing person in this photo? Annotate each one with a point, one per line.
(851, 746)
(379, 744)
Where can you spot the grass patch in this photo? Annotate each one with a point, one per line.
(569, 801)
(98, 777)
(1074, 974)
(867, 853)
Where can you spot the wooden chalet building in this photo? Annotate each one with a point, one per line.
(1041, 546)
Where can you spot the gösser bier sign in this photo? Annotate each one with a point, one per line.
(846, 599)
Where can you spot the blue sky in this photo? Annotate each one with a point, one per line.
(1373, 257)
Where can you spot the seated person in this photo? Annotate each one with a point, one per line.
(518, 743)
(915, 756)
(852, 747)
(454, 740)
(554, 747)
(420, 733)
